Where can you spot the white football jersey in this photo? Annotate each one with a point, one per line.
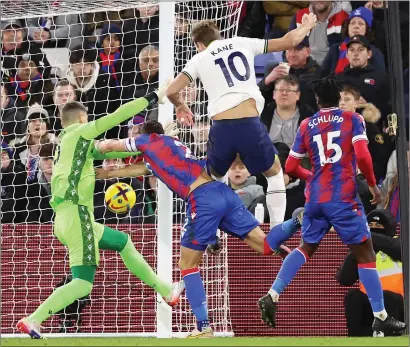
(226, 70)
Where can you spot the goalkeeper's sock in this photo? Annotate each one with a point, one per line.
(280, 233)
(290, 266)
(195, 293)
(370, 279)
(61, 298)
(137, 265)
(276, 198)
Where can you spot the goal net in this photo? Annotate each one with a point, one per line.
(102, 53)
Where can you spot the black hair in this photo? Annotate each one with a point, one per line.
(80, 54)
(327, 91)
(152, 127)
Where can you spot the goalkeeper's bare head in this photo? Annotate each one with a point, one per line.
(73, 112)
(204, 33)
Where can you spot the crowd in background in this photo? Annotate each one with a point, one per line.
(113, 58)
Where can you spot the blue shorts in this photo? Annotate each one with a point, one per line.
(211, 206)
(348, 219)
(246, 136)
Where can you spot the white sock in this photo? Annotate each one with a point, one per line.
(273, 295)
(276, 199)
(382, 315)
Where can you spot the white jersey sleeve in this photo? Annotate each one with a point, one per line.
(226, 70)
(257, 46)
(191, 69)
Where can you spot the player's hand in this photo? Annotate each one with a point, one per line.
(171, 129)
(101, 174)
(184, 115)
(309, 20)
(161, 91)
(377, 195)
(277, 72)
(216, 248)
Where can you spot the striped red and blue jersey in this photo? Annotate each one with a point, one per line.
(169, 160)
(327, 137)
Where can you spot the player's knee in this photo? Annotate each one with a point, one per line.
(122, 242)
(83, 287)
(275, 169)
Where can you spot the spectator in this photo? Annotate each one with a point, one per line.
(119, 71)
(284, 114)
(358, 312)
(13, 188)
(358, 23)
(39, 193)
(183, 46)
(147, 75)
(255, 21)
(142, 30)
(101, 212)
(27, 148)
(14, 45)
(63, 93)
(28, 84)
(380, 145)
(327, 32)
(390, 193)
(56, 31)
(245, 186)
(379, 9)
(96, 90)
(282, 12)
(372, 83)
(11, 117)
(302, 66)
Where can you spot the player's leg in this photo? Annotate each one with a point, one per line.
(349, 221)
(220, 149)
(71, 228)
(120, 242)
(314, 228)
(205, 209)
(260, 156)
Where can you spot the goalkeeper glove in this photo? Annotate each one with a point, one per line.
(161, 91)
(171, 129)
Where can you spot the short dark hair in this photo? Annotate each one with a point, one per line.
(47, 150)
(152, 127)
(205, 32)
(79, 54)
(71, 111)
(290, 79)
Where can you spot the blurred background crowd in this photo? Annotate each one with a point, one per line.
(105, 59)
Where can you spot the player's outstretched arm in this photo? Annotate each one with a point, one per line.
(126, 111)
(293, 37)
(97, 155)
(183, 113)
(111, 146)
(135, 170)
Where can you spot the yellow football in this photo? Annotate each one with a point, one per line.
(120, 197)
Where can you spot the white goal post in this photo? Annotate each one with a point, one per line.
(158, 241)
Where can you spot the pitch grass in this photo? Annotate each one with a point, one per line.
(235, 341)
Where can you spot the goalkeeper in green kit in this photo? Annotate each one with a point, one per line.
(72, 189)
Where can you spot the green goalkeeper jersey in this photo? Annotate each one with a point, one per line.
(73, 176)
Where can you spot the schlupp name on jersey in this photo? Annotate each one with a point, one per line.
(222, 49)
(326, 118)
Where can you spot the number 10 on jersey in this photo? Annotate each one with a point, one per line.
(232, 68)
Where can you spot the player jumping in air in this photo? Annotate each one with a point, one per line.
(226, 70)
(210, 205)
(72, 190)
(334, 140)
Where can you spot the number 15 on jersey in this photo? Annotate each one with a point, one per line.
(331, 136)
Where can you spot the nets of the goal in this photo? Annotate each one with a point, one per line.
(102, 53)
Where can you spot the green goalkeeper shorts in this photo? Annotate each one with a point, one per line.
(76, 229)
